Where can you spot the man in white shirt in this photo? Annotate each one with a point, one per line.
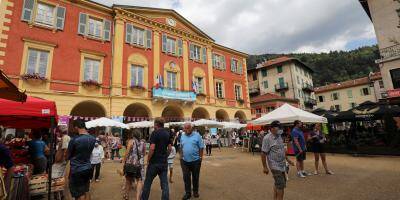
(96, 159)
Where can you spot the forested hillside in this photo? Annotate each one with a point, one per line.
(334, 66)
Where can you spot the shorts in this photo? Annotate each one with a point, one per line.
(170, 165)
(317, 148)
(137, 174)
(301, 156)
(79, 183)
(279, 178)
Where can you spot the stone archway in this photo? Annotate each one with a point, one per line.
(172, 113)
(221, 115)
(200, 113)
(241, 116)
(88, 109)
(138, 112)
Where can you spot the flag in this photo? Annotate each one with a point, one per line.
(194, 86)
(159, 81)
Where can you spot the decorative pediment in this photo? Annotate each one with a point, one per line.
(167, 17)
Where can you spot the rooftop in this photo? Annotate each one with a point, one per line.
(271, 97)
(348, 84)
(280, 61)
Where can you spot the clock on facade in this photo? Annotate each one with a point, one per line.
(171, 22)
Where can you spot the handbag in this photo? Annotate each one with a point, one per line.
(133, 168)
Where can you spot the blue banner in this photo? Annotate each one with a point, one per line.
(174, 94)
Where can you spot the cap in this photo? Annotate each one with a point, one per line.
(276, 123)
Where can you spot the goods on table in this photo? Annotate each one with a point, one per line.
(38, 185)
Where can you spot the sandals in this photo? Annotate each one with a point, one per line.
(125, 197)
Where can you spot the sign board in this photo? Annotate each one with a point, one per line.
(174, 94)
(213, 131)
(63, 120)
(393, 93)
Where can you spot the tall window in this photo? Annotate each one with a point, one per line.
(171, 46)
(171, 80)
(279, 69)
(365, 92)
(381, 84)
(254, 76)
(334, 96)
(137, 75)
(281, 82)
(264, 72)
(298, 80)
(321, 98)
(91, 69)
(265, 84)
(199, 84)
(95, 27)
(349, 93)
(234, 65)
(238, 92)
(45, 14)
(37, 62)
(137, 36)
(196, 52)
(219, 89)
(395, 75)
(219, 61)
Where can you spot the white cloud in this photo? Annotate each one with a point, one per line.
(272, 26)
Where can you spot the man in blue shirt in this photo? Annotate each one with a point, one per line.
(79, 151)
(191, 155)
(299, 146)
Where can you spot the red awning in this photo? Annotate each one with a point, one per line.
(34, 113)
(253, 127)
(9, 91)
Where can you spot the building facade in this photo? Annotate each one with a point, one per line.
(137, 62)
(286, 77)
(265, 103)
(348, 94)
(385, 15)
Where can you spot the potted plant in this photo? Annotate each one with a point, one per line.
(91, 84)
(137, 87)
(34, 78)
(201, 95)
(240, 101)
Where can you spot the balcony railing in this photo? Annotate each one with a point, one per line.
(281, 86)
(308, 87)
(389, 52)
(310, 102)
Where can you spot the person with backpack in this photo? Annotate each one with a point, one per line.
(133, 163)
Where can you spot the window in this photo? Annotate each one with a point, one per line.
(137, 75)
(171, 45)
(395, 75)
(349, 93)
(381, 84)
(335, 96)
(337, 107)
(279, 69)
(234, 65)
(199, 84)
(254, 76)
(95, 27)
(296, 68)
(45, 14)
(265, 84)
(138, 36)
(321, 98)
(219, 62)
(196, 52)
(365, 92)
(171, 80)
(298, 80)
(91, 70)
(300, 94)
(238, 92)
(219, 89)
(258, 110)
(270, 108)
(281, 82)
(352, 105)
(37, 62)
(282, 94)
(264, 72)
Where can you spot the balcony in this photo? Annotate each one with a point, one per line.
(308, 87)
(254, 87)
(281, 87)
(310, 102)
(389, 53)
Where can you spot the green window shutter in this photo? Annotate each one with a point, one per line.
(204, 54)
(128, 33)
(223, 62)
(361, 92)
(60, 18)
(82, 24)
(148, 38)
(180, 47)
(191, 51)
(164, 43)
(232, 65)
(27, 10)
(240, 67)
(214, 62)
(107, 30)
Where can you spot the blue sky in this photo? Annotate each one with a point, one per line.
(275, 26)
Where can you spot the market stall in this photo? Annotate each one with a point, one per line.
(9, 91)
(35, 113)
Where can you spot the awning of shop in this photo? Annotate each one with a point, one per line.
(9, 91)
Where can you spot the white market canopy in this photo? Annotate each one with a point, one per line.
(288, 114)
(142, 124)
(208, 123)
(233, 125)
(167, 125)
(105, 122)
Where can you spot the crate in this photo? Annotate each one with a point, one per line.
(39, 185)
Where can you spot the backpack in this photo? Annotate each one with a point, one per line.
(133, 168)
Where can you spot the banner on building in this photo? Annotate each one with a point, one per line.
(173, 94)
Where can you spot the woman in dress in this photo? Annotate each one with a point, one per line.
(318, 140)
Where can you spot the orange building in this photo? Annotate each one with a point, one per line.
(137, 62)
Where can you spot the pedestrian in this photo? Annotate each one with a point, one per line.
(299, 146)
(7, 163)
(273, 156)
(317, 140)
(109, 140)
(96, 159)
(171, 159)
(115, 146)
(157, 164)
(234, 139)
(133, 163)
(37, 151)
(208, 143)
(79, 151)
(218, 137)
(192, 147)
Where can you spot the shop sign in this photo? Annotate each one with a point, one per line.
(174, 94)
(393, 93)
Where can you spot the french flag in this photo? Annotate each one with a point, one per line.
(159, 81)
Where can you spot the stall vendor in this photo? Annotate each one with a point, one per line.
(37, 150)
(7, 163)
